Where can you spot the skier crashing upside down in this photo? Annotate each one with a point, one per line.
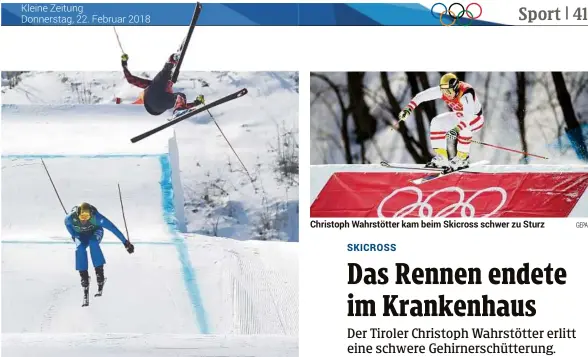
(158, 95)
(464, 120)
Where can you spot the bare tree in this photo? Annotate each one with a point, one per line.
(410, 143)
(582, 85)
(418, 115)
(344, 130)
(486, 96)
(521, 109)
(365, 123)
(573, 128)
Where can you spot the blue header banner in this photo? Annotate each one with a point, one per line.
(241, 14)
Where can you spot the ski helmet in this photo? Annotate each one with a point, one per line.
(449, 84)
(84, 211)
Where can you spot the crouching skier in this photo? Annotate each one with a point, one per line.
(463, 121)
(86, 227)
(158, 95)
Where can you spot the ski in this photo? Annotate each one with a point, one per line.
(86, 300)
(190, 113)
(435, 176)
(100, 289)
(186, 41)
(388, 165)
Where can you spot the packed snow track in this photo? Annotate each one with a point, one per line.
(177, 295)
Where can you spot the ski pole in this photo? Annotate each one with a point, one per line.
(123, 212)
(54, 189)
(503, 148)
(507, 149)
(117, 39)
(231, 146)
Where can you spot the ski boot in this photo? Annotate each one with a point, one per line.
(438, 162)
(100, 279)
(86, 285)
(457, 163)
(199, 100)
(171, 63)
(85, 278)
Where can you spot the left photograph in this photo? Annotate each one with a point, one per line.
(150, 212)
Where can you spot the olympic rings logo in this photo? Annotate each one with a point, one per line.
(464, 11)
(426, 210)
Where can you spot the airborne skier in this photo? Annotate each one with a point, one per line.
(158, 95)
(86, 227)
(464, 119)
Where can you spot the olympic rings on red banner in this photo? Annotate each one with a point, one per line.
(426, 210)
(456, 17)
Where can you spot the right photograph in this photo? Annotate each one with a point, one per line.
(449, 144)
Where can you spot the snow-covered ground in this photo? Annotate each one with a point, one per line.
(220, 199)
(138, 345)
(180, 293)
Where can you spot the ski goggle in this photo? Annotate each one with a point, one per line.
(84, 215)
(450, 92)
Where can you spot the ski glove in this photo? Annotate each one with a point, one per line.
(129, 247)
(200, 99)
(405, 113)
(453, 132)
(124, 58)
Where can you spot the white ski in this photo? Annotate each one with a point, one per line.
(434, 176)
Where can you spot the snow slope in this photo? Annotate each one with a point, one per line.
(147, 345)
(219, 197)
(176, 294)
